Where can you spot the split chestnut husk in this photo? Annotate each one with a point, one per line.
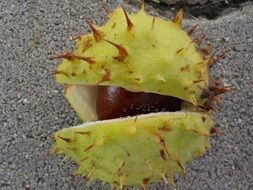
(141, 85)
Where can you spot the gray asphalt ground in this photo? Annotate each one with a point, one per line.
(33, 108)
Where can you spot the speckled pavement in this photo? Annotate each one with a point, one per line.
(33, 108)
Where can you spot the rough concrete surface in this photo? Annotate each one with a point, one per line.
(33, 108)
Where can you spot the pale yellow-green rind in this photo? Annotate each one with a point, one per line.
(127, 151)
(154, 62)
(82, 100)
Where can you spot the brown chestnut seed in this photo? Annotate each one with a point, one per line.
(114, 102)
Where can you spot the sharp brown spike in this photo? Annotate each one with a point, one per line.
(165, 179)
(163, 155)
(125, 150)
(210, 105)
(89, 147)
(86, 180)
(178, 51)
(73, 38)
(129, 22)
(122, 51)
(179, 17)
(68, 56)
(217, 82)
(66, 87)
(153, 23)
(199, 39)
(197, 81)
(217, 100)
(181, 167)
(107, 11)
(86, 133)
(71, 56)
(121, 175)
(145, 182)
(121, 182)
(212, 60)
(170, 178)
(164, 146)
(85, 158)
(160, 185)
(214, 131)
(222, 89)
(90, 60)
(98, 35)
(56, 72)
(67, 140)
(206, 49)
(192, 30)
(142, 6)
(213, 91)
(106, 76)
(53, 150)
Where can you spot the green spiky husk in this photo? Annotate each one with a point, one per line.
(161, 58)
(128, 151)
(151, 55)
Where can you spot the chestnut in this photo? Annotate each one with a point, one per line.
(115, 102)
